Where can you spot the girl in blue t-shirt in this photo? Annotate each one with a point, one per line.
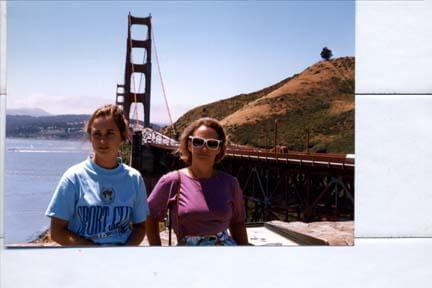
(100, 200)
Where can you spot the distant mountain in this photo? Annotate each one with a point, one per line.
(35, 112)
(319, 100)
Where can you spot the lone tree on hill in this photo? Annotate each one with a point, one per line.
(326, 53)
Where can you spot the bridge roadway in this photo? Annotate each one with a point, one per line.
(157, 139)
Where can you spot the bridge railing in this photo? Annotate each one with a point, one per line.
(150, 136)
(301, 157)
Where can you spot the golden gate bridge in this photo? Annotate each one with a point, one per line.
(277, 184)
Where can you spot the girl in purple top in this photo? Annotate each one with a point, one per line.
(209, 201)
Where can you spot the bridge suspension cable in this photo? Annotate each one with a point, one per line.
(162, 83)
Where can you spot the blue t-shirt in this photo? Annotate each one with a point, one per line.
(100, 204)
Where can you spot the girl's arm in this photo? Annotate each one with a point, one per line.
(63, 236)
(138, 233)
(152, 228)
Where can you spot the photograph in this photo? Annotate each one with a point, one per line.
(180, 124)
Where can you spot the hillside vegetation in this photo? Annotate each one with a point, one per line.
(319, 100)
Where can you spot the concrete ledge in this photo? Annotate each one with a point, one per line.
(315, 233)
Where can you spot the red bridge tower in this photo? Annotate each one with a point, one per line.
(127, 96)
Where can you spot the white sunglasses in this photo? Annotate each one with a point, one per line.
(199, 142)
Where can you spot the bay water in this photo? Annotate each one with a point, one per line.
(33, 169)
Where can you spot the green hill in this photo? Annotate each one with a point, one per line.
(319, 100)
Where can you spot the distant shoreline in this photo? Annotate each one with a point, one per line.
(83, 138)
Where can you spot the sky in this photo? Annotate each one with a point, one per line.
(68, 57)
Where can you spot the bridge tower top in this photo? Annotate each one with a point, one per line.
(130, 93)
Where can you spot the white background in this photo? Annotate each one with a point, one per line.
(393, 225)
